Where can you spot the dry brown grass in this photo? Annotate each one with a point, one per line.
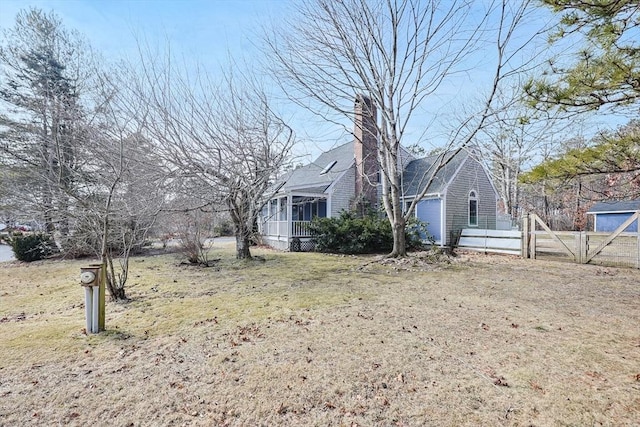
(310, 339)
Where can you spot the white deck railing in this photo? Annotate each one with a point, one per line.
(300, 229)
(281, 228)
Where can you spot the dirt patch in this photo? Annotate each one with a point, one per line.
(435, 259)
(310, 339)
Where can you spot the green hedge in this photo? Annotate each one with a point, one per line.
(350, 234)
(31, 247)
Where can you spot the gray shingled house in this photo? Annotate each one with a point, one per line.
(461, 195)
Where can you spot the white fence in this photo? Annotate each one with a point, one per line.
(495, 241)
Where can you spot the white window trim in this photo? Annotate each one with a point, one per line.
(469, 199)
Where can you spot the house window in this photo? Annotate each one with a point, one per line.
(473, 209)
(310, 210)
(328, 167)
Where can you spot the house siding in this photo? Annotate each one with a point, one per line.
(276, 242)
(471, 176)
(343, 192)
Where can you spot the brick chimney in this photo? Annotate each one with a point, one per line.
(366, 150)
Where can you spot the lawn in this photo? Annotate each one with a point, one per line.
(324, 340)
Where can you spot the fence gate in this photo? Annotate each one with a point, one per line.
(617, 248)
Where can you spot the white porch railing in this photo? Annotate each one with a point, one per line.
(281, 228)
(300, 229)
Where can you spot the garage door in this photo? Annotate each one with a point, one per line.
(429, 212)
(610, 222)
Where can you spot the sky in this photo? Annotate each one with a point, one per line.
(206, 30)
(203, 27)
(210, 30)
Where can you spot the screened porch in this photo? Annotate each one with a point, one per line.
(289, 216)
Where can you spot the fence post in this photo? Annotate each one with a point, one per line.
(532, 242)
(581, 247)
(524, 248)
(638, 248)
(638, 236)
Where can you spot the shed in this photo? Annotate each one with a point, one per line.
(609, 215)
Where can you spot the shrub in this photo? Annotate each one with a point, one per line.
(31, 247)
(416, 232)
(225, 228)
(349, 234)
(85, 239)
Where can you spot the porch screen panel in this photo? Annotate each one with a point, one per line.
(322, 208)
(297, 212)
(429, 211)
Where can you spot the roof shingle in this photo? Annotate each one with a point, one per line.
(310, 177)
(616, 206)
(419, 171)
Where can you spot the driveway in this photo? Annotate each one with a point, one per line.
(6, 254)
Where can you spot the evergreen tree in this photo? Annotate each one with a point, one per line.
(39, 89)
(606, 71)
(611, 155)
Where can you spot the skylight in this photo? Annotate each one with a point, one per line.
(328, 167)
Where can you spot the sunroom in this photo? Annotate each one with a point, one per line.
(285, 220)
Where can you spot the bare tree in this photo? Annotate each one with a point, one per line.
(132, 195)
(195, 233)
(515, 139)
(224, 141)
(122, 184)
(398, 53)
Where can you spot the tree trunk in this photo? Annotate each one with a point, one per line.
(399, 239)
(116, 289)
(242, 245)
(119, 295)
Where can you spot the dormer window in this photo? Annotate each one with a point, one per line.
(328, 167)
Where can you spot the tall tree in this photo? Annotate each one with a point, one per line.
(224, 141)
(606, 71)
(41, 69)
(602, 75)
(397, 53)
(516, 137)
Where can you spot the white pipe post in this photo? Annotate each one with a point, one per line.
(88, 307)
(96, 309)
